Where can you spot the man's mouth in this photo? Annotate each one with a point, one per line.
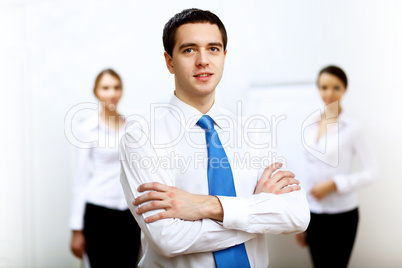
(202, 75)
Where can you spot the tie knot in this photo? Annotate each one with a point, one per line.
(206, 122)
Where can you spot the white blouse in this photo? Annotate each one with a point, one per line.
(97, 179)
(332, 157)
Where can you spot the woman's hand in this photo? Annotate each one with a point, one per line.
(322, 189)
(301, 239)
(78, 244)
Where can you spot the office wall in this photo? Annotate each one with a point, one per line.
(51, 52)
(14, 233)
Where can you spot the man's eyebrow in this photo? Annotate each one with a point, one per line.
(215, 44)
(187, 45)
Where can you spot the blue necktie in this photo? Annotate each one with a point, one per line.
(220, 182)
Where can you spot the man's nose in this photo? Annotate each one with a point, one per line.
(202, 58)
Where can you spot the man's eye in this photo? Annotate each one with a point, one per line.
(214, 49)
(188, 50)
(324, 88)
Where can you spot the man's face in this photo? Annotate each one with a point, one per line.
(198, 59)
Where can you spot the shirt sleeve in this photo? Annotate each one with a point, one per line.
(168, 237)
(79, 188)
(265, 212)
(369, 170)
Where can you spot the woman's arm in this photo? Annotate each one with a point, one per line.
(369, 170)
(76, 224)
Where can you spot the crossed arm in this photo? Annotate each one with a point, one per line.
(186, 206)
(176, 222)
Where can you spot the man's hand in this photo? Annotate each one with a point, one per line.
(279, 183)
(77, 244)
(177, 203)
(322, 189)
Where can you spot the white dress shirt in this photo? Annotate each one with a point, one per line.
(332, 157)
(172, 150)
(97, 179)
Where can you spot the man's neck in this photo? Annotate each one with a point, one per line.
(202, 104)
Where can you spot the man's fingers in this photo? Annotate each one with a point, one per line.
(271, 169)
(290, 189)
(153, 205)
(282, 177)
(148, 197)
(156, 217)
(153, 186)
(282, 174)
(280, 186)
(286, 181)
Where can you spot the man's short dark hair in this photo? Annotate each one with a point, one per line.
(192, 15)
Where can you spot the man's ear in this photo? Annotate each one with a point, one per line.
(169, 62)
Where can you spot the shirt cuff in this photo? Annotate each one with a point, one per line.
(76, 223)
(235, 212)
(341, 183)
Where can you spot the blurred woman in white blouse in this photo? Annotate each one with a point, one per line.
(101, 224)
(329, 180)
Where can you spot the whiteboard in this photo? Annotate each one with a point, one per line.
(287, 107)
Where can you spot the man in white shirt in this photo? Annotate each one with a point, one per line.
(165, 165)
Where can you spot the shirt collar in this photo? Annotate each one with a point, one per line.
(188, 116)
(342, 119)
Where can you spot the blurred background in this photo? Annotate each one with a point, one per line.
(51, 51)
